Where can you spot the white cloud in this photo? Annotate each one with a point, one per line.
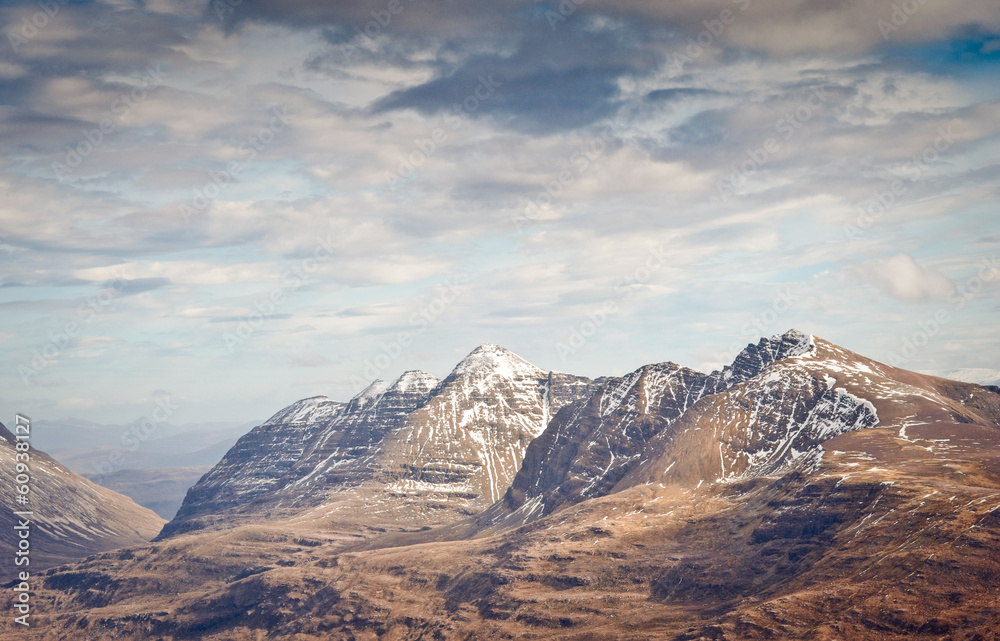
(902, 278)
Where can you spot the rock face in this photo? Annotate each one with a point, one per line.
(768, 414)
(415, 452)
(256, 465)
(71, 517)
(806, 492)
(593, 443)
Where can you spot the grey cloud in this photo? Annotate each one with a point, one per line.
(346, 18)
(776, 27)
(677, 94)
(710, 127)
(554, 81)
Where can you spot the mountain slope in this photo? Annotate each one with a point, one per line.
(415, 452)
(768, 414)
(256, 465)
(592, 444)
(825, 496)
(71, 517)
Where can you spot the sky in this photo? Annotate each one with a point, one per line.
(217, 208)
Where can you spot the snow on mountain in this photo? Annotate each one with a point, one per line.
(773, 423)
(71, 516)
(469, 438)
(308, 410)
(415, 451)
(767, 414)
(802, 488)
(501, 433)
(488, 361)
(593, 443)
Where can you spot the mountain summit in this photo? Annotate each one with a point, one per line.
(493, 360)
(417, 451)
(802, 492)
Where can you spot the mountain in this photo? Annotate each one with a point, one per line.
(91, 448)
(161, 490)
(804, 492)
(71, 516)
(154, 467)
(593, 443)
(416, 452)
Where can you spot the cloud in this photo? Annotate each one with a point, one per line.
(902, 278)
(776, 27)
(676, 94)
(549, 82)
(591, 121)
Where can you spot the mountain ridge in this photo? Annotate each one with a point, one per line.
(803, 492)
(417, 450)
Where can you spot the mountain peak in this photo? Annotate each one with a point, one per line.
(756, 356)
(490, 358)
(798, 343)
(368, 394)
(414, 380)
(307, 410)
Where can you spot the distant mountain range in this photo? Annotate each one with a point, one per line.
(87, 447)
(802, 492)
(978, 375)
(155, 470)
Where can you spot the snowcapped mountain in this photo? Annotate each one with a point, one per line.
(414, 452)
(71, 517)
(467, 441)
(802, 490)
(769, 413)
(594, 442)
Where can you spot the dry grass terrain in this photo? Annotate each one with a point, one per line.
(886, 531)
